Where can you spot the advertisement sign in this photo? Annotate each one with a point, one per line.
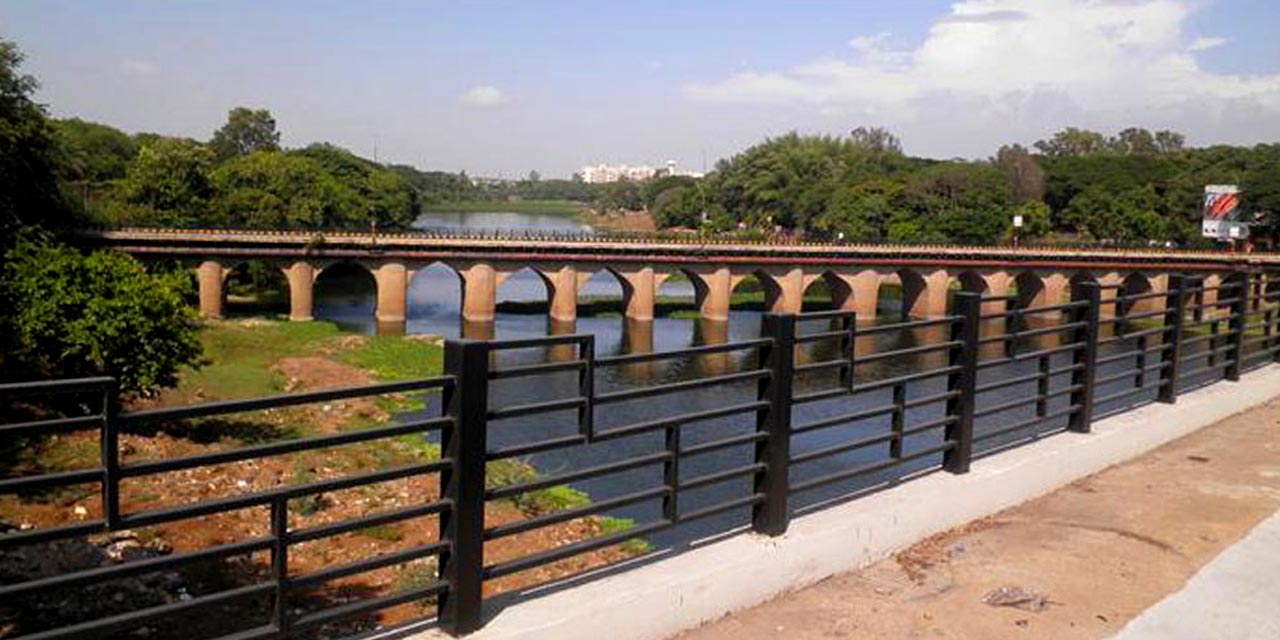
(1223, 218)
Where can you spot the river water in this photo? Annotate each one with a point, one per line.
(434, 308)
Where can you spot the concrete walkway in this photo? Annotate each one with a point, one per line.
(1234, 597)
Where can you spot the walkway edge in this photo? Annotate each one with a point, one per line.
(662, 598)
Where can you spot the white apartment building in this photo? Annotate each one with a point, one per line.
(602, 173)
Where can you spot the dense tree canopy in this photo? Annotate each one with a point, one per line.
(75, 315)
(246, 131)
(29, 157)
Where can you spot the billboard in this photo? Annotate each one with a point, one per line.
(1223, 218)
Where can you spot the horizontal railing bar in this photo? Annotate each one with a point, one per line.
(286, 400)
(1128, 373)
(543, 482)
(331, 529)
(1023, 424)
(232, 503)
(823, 315)
(532, 408)
(102, 626)
(844, 418)
(910, 324)
(903, 379)
(1008, 382)
(909, 351)
(565, 515)
(58, 479)
(278, 448)
(723, 443)
(821, 394)
(1127, 392)
(1005, 406)
(46, 387)
(825, 364)
(55, 425)
(542, 341)
(133, 568)
(1191, 373)
(46, 534)
(868, 468)
(1143, 315)
(721, 476)
(825, 335)
(677, 420)
(1030, 355)
(684, 385)
(930, 399)
(1186, 342)
(728, 505)
(633, 358)
(530, 448)
(309, 580)
(843, 447)
(318, 618)
(540, 368)
(535, 560)
(929, 424)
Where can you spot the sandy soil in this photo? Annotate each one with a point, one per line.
(1096, 553)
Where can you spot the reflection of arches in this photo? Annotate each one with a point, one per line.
(343, 288)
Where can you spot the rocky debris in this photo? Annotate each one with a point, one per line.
(1018, 598)
(60, 607)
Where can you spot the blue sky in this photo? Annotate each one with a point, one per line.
(500, 88)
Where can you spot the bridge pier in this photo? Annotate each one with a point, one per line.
(639, 291)
(479, 292)
(786, 295)
(302, 279)
(712, 290)
(924, 295)
(392, 281)
(562, 293)
(209, 280)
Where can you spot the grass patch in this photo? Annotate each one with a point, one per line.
(382, 532)
(239, 356)
(394, 358)
(610, 525)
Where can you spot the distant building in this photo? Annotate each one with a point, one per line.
(603, 173)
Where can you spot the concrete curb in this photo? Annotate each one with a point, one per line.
(667, 596)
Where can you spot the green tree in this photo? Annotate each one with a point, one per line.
(859, 212)
(1022, 172)
(29, 159)
(93, 152)
(269, 189)
(167, 184)
(1073, 142)
(73, 315)
(246, 131)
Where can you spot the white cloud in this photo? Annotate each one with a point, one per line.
(139, 68)
(1020, 66)
(1205, 43)
(483, 96)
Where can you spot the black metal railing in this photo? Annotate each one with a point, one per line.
(804, 413)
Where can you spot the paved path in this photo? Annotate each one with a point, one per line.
(1234, 597)
(1100, 551)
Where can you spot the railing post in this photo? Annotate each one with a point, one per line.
(1237, 323)
(963, 382)
(1171, 358)
(1086, 354)
(463, 484)
(111, 456)
(280, 564)
(770, 517)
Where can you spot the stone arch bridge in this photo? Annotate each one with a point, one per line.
(853, 274)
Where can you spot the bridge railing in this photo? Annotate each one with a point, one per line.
(683, 444)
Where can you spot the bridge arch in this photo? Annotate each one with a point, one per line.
(344, 289)
(435, 288)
